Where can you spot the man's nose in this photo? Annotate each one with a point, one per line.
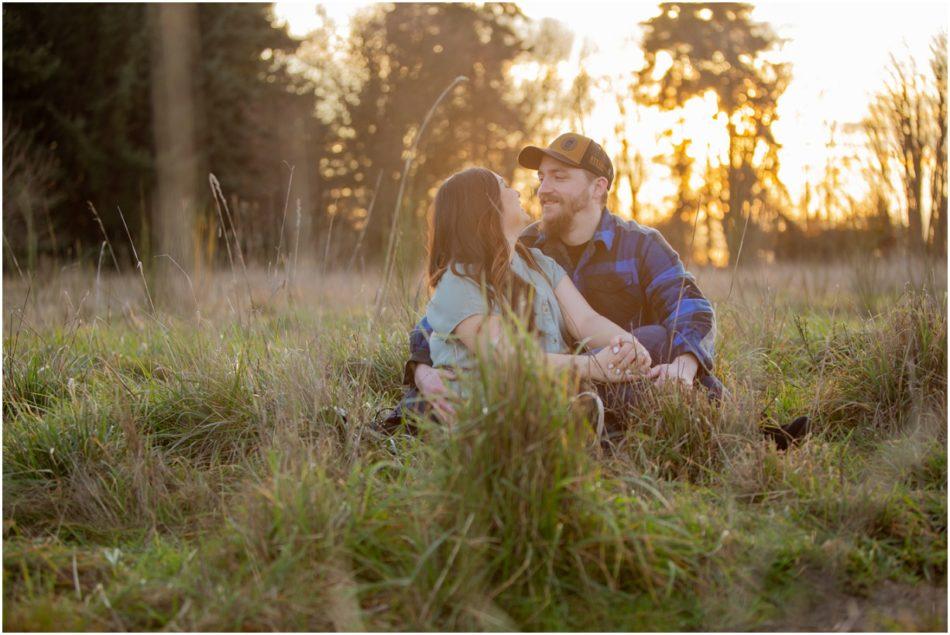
(543, 188)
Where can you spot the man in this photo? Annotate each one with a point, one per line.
(626, 272)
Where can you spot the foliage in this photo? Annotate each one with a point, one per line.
(692, 49)
(220, 471)
(89, 106)
(309, 138)
(906, 129)
(406, 55)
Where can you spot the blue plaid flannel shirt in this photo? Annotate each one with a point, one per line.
(629, 274)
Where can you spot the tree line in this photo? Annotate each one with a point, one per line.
(115, 115)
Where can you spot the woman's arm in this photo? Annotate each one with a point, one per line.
(588, 326)
(485, 334)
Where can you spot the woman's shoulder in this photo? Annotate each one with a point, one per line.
(455, 280)
(454, 298)
(454, 289)
(553, 271)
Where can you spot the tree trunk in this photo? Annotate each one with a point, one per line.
(915, 190)
(938, 182)
(174, 39)
(733, 220)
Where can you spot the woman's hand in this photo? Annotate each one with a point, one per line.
(431, 384)
(635, 356)
(612, 363)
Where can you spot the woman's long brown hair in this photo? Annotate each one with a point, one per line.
(466, 235)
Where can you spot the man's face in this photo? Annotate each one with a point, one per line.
(563, 191)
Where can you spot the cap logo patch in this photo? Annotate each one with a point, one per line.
(569, 143)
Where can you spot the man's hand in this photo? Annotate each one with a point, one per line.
(431, 385)
(682, 369)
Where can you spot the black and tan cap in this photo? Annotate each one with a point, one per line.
(573, 149)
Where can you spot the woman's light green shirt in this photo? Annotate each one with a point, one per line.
(456, 298)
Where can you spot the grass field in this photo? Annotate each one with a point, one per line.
(210, 466)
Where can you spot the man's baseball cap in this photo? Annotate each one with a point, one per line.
(573, 149)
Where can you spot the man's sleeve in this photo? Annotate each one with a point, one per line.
(418, 351)
(676, 301)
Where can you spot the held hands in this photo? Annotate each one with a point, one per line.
(624, 360)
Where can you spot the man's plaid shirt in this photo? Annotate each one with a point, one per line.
(630, 275)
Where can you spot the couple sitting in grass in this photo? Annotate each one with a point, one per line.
(607, 298)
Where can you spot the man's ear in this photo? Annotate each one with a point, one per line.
(600, 187)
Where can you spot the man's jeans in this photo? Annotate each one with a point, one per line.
(616, 397)
(619, 398)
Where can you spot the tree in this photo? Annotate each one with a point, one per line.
(30, 174)
(541, 95)
(629, 164)
(256, 117)
(579, 101)
(174, 39)
(677, 229)
(88, 110)
(829, 188)
(406, 54)
(906, 132)
(877, 171)
(692, 49)
(902, 103)
(938, 182)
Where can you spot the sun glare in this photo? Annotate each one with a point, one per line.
(826, 89)
(303, 17)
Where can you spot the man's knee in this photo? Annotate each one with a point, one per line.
(618, 400)
(656, 339)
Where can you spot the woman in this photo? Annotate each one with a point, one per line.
(473, 244)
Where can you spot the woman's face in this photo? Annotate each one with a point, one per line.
(513, 217)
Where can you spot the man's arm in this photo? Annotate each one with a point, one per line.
(676, 301)
(586, 325)
(419, 352)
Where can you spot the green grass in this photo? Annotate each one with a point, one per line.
(221, 473)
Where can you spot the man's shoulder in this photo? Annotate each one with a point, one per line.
(632, 233)
(630, 226)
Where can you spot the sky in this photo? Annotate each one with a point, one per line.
(839, 51)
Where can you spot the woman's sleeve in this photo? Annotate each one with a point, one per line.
(553, 271)
(455, 298)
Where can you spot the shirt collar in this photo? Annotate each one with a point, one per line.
(604, 233)
(606, 230)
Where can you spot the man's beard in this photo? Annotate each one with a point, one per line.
(560, 223)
